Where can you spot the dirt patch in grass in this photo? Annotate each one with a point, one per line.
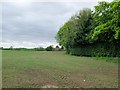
(37, 78)
(49, 86)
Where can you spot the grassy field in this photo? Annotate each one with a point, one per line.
(36, 69)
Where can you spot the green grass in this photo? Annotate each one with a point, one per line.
(109, 59)
(36, 69)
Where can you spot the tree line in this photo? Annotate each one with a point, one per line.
(93, 32)
(49, 48)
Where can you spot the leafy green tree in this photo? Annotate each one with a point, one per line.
(74, 32)
(93, 33)
(66, 34)
(107, 19)
(49, 48)
(11, 48)
(39, 49)
(84, 26)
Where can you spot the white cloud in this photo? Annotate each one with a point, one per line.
(23, 44)
(30, 23)
(19, 1)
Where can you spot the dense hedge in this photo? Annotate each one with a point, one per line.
(96, 50)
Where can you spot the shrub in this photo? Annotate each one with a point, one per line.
(98, 50)
(49, 48)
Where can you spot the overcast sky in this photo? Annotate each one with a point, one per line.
(33, 23)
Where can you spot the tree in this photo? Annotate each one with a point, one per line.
(75, 31)
(1, 48)
(49, 48)
(11, 48)
(107, 16)
(93, 33)
(40, 49)
(57, 46)
(84, 26)
(66, 34)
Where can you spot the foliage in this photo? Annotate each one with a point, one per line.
(107, 17)
(98, 50)
(85, 32)
(49, 48)
(40, 49)
(75, 31)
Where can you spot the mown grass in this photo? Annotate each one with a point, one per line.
(36, 69)
(109, 59)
